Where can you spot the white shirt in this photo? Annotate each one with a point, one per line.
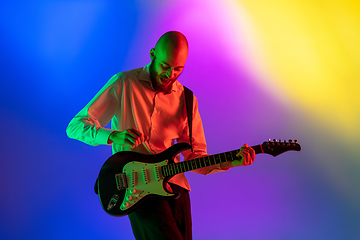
(129, 100)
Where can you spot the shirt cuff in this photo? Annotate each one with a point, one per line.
(102, 136)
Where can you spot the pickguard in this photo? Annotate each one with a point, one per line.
(143, 179)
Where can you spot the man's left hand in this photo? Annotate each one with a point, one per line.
(246, 155)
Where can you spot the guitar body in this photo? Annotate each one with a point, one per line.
(128, 178)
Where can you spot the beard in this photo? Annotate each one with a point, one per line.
(153, 74)
(154, 77)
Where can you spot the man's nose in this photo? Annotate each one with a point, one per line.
(170, 73)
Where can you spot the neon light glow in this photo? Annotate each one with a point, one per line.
(259, 69)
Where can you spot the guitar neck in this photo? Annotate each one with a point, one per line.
(185, 166)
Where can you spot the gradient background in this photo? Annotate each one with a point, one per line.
(260, 69)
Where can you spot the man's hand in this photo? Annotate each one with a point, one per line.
(247, 157)
(131, 137)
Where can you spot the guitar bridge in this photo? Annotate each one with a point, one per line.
(121, 181)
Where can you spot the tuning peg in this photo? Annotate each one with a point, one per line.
(274, 140)
(269, 140)
(290, 141)
(295, 141)
(284, 140)
(279, 140)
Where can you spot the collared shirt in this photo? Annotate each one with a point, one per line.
(128, 100)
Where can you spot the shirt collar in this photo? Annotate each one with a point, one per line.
(144, 75)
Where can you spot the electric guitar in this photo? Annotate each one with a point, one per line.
(128, 178)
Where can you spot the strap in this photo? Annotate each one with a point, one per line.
(189, 106)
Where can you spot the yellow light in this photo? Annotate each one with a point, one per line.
(311, 52)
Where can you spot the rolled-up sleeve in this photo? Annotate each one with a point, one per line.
(88, 125)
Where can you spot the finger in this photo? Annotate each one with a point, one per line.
(135, 131)
(142, 136)
(133, 139)
(246, 160)
(130, 142)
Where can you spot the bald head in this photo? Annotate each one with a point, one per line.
(172, 40)
(171, 44)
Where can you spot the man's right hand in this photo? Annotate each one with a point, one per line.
(131, 137)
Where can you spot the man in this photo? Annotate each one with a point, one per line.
(148, 113)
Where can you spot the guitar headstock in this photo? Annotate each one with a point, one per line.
(276, 147)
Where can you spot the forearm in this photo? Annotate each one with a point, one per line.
(89, 124)
(88, 130)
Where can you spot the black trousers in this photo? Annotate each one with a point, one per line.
(159, 219)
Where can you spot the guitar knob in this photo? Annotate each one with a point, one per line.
(133, 190)
(129, 197)
(125, 204)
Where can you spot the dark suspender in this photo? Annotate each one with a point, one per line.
(189, 106)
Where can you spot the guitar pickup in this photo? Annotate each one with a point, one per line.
(145, 175)
(121, 181)
(157, 170)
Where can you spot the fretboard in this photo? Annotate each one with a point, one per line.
(185, 166)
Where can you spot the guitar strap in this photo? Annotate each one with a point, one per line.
(189, 106)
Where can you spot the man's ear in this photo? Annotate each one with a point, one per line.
(152, 54)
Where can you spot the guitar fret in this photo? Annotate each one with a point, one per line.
(171, 169)
(213, 160)
(222, 158)
(166, 172)
(218, 158)
(176, 168)
(207, 161)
